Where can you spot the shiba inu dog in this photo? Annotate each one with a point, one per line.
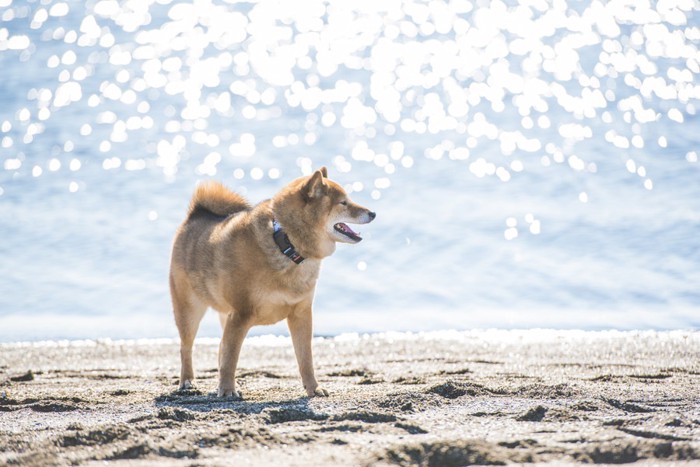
(257, 265)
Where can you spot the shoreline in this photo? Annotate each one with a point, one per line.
(264, 339)
(438, 398)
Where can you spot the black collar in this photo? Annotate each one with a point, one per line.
(283, 243)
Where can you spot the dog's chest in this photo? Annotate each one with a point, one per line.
(282, 292)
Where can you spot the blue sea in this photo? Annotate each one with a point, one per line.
(533, 164)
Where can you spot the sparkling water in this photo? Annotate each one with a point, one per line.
(532, 163)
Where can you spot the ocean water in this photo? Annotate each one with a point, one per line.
(533, 163)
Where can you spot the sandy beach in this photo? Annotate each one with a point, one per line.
(437, 399)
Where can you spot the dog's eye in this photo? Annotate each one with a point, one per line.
(344, 203)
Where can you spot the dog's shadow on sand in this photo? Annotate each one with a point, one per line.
(276, 411)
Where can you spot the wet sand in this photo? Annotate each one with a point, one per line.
(439, 399)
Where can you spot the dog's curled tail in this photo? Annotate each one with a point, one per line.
(215, 198)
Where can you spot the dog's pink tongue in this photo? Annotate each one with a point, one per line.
(347, 229)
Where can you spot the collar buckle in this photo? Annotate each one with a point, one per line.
(284, 244)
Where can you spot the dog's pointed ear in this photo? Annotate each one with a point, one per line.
(324, 172)
(314, 186)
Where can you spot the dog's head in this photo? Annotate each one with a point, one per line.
(315, 207)
(335, 208)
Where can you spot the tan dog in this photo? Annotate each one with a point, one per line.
(257, 265)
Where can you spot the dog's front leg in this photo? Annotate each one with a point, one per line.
(235, 331)
(300, 324)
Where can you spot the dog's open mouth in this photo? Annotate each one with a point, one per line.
(347, 231)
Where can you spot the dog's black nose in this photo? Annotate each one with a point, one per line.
(372, 215)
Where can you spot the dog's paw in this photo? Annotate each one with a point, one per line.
(229, 393)
(318, 392)
(185, 385)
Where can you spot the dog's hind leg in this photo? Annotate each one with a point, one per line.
(188, 311)
(188, 319)
(235, 330)
(223, 317)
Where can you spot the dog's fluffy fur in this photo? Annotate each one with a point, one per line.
(224, 257)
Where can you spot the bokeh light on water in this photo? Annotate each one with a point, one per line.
(525, 157)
